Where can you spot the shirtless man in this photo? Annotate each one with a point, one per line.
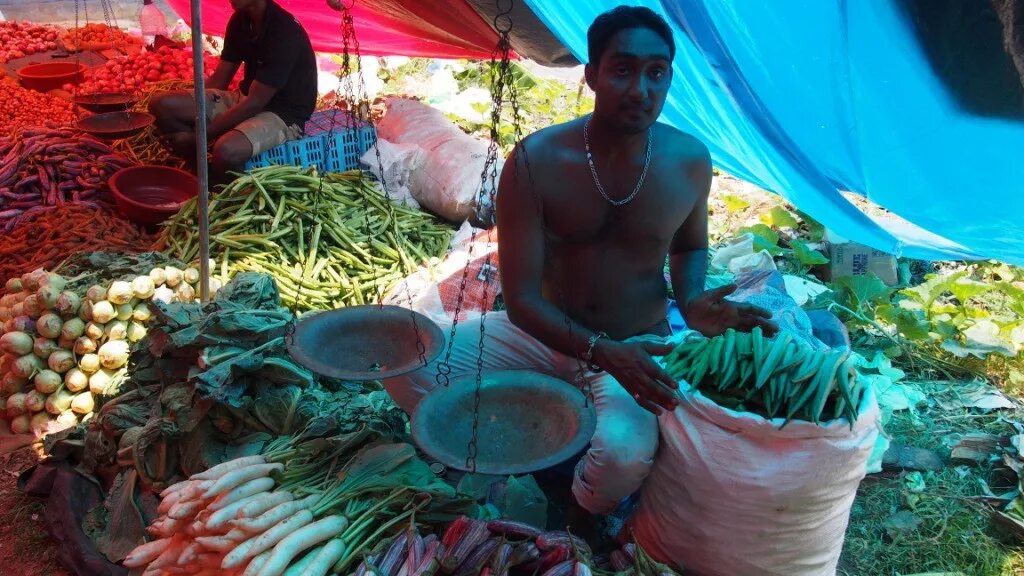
(588, 211)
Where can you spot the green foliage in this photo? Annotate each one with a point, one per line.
(806, 255)
(734, 203)
(764, 238)
(779, 217)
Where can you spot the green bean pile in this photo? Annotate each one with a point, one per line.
(330, 244)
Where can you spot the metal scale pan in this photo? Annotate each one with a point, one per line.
(528, 421)
(115, 125)
(364, 342)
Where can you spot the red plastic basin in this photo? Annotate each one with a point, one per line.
(51, 75)
(152, 194)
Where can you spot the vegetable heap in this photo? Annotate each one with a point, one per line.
(500, 547)
(327, 244)
(46, 167)
(46, 236)
(97, 36)
(21, 109)
(292, 510)
(63, 349)
(774, 378)
(138, 72)
(20, 39)
(146, 148)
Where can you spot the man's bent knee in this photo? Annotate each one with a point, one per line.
(232, 151)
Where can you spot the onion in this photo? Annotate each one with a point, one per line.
(47, 297)
(120, 292)
(22, 323)
(95, 293)
(61, 361)
(143, 287)
(58, 402)
(125, 311)
(190, 275)
(215, 286)
(30, 280)
(66, 343)
(94, 330)
(49, 325)
(75, 380)
(114, 354)
(83, 403)
(47, 381)
(174, 276)
(158, 276)
(17, 343)
(5, 314)
(27, 366)
(163, 294)
(16, 404)
(34, 401)
(73, 329)
(43, 347)
(85, 345)
(18, 309)
(21, 424)
(103, 311)
(85, 310)
(116, 330)
(13, 286)
(39, 423)
(103, 381)
(67, 419)
(89, 363)
(31, 306)
(136, 331)
(142, 313)
(11, 384)
(185, 293)
(53, 279)
(68, 303)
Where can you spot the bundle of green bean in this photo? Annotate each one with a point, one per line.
(778, 377)
(327, 244)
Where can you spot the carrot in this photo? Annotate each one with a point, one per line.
(268, 539)
(146, 553)
(325, 559)
(225, 467)
(301, 539)
(275, 515)
(242, 492)
(240, 476)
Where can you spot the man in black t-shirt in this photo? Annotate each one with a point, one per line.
(276, 97)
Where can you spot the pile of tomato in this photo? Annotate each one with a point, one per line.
(20, 39)
(134, 73)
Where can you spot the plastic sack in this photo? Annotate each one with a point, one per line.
(731, 494)
(399, 161)
(448, 181)
(434, 292)
(767, 289)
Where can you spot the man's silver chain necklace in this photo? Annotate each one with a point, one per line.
(593, 170)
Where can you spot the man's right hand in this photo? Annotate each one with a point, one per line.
(630, 363)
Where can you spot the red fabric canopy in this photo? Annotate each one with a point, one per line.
(434, 29)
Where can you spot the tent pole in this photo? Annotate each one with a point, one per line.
(202, 168)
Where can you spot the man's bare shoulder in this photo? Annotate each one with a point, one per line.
(682, 146)
(554, 144)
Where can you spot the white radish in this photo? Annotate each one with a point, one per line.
(302, 539)
(242, 492)
(225, 467)
(267, 540)
(263, 502)
(225, 514)
(176, 487)
(276, 514)
(328, 556)
(170, 555)
(185, 509)
(189, 554)
(146, 553)
(218, 543)
(255, 565)
(299, 567)
(241, 476)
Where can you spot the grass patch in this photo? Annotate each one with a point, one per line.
(899, 527)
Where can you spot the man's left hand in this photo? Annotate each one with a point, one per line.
(711, 314)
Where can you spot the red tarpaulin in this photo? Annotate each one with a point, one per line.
(436, 29)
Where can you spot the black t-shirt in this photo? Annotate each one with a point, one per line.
(281, 57)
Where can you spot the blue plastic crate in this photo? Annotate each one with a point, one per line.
(334, 142)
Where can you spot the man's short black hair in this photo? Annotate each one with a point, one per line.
(622, 18)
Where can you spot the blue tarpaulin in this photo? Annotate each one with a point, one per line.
(809, 98)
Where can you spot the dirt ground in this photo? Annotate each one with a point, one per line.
(25, 547)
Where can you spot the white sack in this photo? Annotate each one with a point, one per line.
(730, 494)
